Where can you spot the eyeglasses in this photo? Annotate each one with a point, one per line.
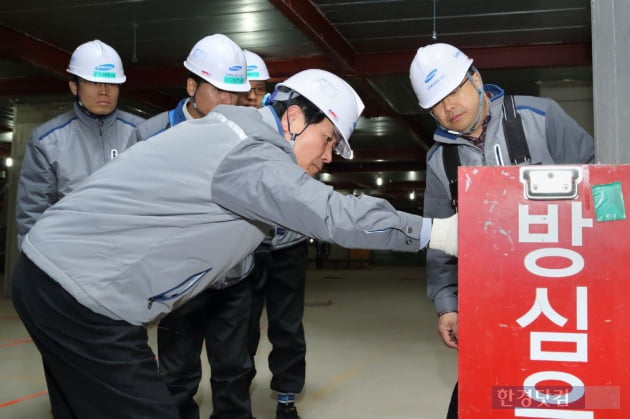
(453, 93)
(259, 90)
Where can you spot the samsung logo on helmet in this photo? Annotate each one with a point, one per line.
(235, 68)
(104, 67)
(430, 75)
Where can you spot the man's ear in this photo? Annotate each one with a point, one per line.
(293, 112)
(477, 79)
(290, 117)
(191, 86)
(74, 89)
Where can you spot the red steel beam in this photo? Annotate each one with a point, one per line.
(21, 47)
(54, 61)
(551, 55)
(23, 86)
(281, 69)
(385, 107)
(308, 19)
(366, 65)
(556, 55)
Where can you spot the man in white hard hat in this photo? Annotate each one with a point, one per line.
(170, 217)
(278, 281)
(66, 149)
(217, 74)
(257, 75)
(472, 132)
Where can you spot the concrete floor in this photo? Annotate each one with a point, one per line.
(372, 353)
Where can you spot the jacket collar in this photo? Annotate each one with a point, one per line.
(177, 115)
(92, 120)
(270, 117)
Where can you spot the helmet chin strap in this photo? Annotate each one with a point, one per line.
(194, 104)
(477, 116)
(293, 134)
(87, 111)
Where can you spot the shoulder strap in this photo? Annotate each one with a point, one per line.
(514, 134)
(515, 139)
(450, 156)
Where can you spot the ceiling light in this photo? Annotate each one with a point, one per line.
(379, 179)
(412, 195)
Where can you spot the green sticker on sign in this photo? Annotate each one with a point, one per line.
(608, 201)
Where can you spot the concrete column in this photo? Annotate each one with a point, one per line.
(611, 79)
(27, 117)
(575, 99)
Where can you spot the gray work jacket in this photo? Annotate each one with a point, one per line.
(160, 123)
(61, 153)
(172, 215)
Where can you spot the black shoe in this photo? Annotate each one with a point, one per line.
(286, 412)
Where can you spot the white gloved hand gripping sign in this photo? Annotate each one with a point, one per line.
(444, 235)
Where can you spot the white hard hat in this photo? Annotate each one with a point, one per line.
(437, 70)
(219, 61)
(256, 68)
(98, 62)
(331, 95)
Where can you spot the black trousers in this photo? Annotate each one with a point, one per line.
(278, 283)
(221, 318)
(96, 367)
(452, 407)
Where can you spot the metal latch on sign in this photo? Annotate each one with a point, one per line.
(550, 182)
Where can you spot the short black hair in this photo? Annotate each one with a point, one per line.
(312, 114)
(196, 78)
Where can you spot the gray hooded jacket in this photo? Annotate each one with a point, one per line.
(553, 137)
(170, 216)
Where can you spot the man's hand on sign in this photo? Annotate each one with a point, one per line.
(447, 329)
(444, 235)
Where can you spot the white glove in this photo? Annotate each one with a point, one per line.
(444, 235)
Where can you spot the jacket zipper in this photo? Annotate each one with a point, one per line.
(178, 289)
(100, 134)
